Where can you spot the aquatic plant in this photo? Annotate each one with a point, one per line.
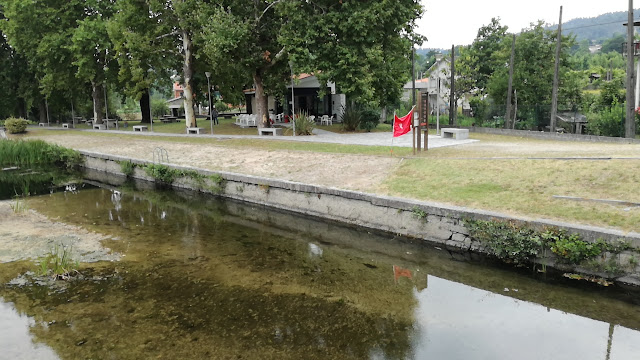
(20, 206)
(162, 173)
(58, 263)
(37, 152)
(127, 167)
(218, 184)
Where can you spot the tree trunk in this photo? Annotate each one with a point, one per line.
(97, 95)
(261, 101)
(42, 111)
(145, 107)
(187, 70)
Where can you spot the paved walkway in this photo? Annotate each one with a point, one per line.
(320, 136)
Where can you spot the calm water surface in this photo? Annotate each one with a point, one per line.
(203, 278)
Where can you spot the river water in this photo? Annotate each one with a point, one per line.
(203, 278)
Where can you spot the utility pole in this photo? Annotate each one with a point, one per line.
(507, 116)
(630, 124)
(452, 99)
(554, 95)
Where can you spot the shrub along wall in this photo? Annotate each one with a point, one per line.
(595, 252)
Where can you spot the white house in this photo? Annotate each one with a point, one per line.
(438, 73)
(306, 88)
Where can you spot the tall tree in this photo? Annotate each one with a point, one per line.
(533, 70)
(143, 49)
(364, 47)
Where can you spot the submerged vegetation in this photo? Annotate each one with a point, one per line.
(37, 152)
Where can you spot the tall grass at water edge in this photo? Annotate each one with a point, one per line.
(36, 152)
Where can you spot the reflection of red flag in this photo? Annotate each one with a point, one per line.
(402, 125)
(398, 272)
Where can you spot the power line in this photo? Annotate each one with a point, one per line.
(592, 25)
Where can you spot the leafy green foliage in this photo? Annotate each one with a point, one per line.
(32, 152)
(369, 118)
(519, 244)
(351, 118)
(58, 263)
(162, 173)
(16, 126)
(127, 167)
(159, 107)
(304, 125)
(607, 122)
(507, 241)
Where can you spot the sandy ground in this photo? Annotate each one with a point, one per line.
(26, 234)
(353, 172)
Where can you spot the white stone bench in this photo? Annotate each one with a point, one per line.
(140, 128)
(458, 134)
(194, 130)
(99, 127)
(65, 125)
(272, 131)
(43, 124)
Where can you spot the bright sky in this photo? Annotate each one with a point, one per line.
(446, 23)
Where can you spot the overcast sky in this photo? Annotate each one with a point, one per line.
(457, 21)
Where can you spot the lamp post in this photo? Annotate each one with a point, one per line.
(293, 101)
(208, 75)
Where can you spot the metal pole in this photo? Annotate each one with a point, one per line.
(73, 116)
(208, 74)
(637, 83)
(293, 101)
(438, 107)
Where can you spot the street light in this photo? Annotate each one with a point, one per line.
(208, 75)
(293, 101)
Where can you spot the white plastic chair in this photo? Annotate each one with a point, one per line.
(326, 120)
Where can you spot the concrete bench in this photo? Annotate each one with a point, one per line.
(139, 128)
(272, 131)
(99, 127)
(194, 130)
(65, 125)
(458, 134)
(43, 124)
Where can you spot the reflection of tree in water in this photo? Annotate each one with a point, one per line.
(217, 283)
(175, 315)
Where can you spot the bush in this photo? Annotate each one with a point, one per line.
(369, 119)
(16, 126)
(304, 125)
(609, 122)
(351, 118)
(159, 107)
(34, 152)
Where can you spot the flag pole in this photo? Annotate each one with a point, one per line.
(393, 123)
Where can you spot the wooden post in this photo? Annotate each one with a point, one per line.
(554, 95)
(629, 125)
(424, 107)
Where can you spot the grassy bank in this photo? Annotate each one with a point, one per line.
(517, 176)
(36, 152)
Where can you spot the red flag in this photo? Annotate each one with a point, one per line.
(398, 272)
(402, 125)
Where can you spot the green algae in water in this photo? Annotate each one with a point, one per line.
(33, 181)
(204, 278)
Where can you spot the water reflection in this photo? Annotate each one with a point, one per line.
(456, 321)
(205, 278)
(15, 339)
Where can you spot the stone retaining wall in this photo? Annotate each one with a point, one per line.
(553, 136)
(437, 223)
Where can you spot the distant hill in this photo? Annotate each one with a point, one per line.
(597, 29)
